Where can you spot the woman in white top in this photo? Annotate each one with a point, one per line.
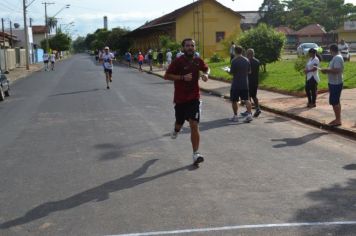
(312, 77)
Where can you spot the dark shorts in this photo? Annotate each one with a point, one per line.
(335, 94)
(252, 90)
(109, 71)
(140, 63)
(187, 111)
(236, 94)
(45, 62)
(52, 62)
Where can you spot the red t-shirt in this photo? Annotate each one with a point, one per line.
(186, 91)
(140, 57)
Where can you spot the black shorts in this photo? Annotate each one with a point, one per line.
(252, 90)
(45, 62)
(236, 94)
(52, 62)
(108, 71)
(188, 111)
(335, 94)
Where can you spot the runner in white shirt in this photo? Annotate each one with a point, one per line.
(53, 60)
(106, 58)
(45, 60)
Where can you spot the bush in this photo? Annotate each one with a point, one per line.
(216, 58)
(300, 63)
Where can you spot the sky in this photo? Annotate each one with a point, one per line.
(87, 15)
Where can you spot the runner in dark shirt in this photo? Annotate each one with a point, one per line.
(185, 72)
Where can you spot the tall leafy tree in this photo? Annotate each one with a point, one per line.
(266, 42)
(272, 13)
(329, 13)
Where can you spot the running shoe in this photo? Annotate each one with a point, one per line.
(197, 158)
(244, 114)
(248, 118)
(234, 119)
(257, 113)
(174, 134)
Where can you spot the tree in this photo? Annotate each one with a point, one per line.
(60, 42)
(52, 23)
(329, 13)
(272, 13)
(117, 40)
(78, 45)
(266, 42)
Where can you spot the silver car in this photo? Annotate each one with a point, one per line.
(4, 86)
(304, 48)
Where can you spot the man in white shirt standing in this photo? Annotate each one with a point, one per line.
(107, 59)
(336, 80)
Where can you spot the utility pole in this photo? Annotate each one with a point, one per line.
(26, 36)
(11, 34)
(3, 33)
(46, 22)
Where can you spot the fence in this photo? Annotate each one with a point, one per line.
(14, 58)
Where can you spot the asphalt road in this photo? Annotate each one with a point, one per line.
(77, 159)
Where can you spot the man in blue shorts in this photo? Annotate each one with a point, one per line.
(240, 67)
(335, 80)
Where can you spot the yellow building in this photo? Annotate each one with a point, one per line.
(348, 32)
(206, 21)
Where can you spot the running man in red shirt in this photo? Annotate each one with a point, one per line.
(185, 72)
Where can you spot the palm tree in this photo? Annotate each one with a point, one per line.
(51, 23)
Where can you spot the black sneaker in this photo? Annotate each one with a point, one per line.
(257, 113)
(107, 87)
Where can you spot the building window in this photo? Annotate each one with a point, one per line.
(220, 36)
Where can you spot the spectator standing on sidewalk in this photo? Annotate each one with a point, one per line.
(240, 67)
(169, 56)
(312, 77)
(232, 51)
(150, 58)
(335, 79)
(160, 58)
(184, 71)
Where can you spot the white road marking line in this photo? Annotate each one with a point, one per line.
(226, 228)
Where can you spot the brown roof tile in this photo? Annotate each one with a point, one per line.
(313, 29)
(285, 30)
(39, 29)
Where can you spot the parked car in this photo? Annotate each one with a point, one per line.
(4, 86)
(303, 48)
(345, 54)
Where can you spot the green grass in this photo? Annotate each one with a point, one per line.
(282, 76)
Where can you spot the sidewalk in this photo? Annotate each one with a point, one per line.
(21, 72)
(291, 106)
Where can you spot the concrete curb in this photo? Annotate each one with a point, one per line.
(305, 120)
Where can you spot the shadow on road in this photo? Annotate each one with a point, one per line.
(214, 124)
(275, 119)
(350, 167)
(75, 92)
(97, 194)
(335, 203)
(290, 142)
